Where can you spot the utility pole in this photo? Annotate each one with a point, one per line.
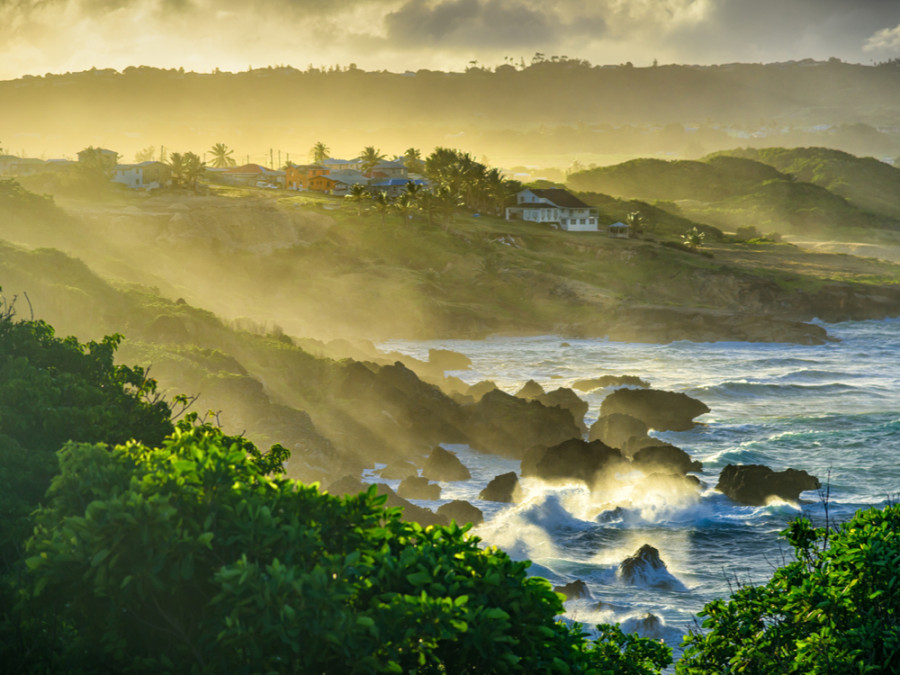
(271, 159)
(279, 159)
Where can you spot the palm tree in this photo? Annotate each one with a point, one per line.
(221, 156)
(635, 222)
(412, 160)
(370, 158)
(319, 153)
(193, 168)
(357, 194)
(693, 238)
(382, 203)
(404, 204)
(177, 164)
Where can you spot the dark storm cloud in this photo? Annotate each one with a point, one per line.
(484, 23)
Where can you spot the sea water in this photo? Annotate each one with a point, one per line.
(832, 410)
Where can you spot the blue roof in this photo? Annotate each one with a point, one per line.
(391, 182)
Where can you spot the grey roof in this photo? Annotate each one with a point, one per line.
(560, 197)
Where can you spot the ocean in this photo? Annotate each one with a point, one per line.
(832, 410)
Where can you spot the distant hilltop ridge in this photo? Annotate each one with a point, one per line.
(550, 112)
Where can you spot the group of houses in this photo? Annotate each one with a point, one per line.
(556, 207)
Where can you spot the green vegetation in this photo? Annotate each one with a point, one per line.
(834, 609)
(190, 554)
(739, 190)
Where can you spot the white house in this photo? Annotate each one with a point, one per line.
(554, 206)
(144, 176)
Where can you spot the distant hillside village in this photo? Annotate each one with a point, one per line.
(447, 179)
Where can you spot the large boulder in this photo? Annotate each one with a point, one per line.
(530, 389)
(462, 512)
(662, 410)
(609, 381)
(398, 470)
(502, 488)
(568, 400)
(665, 459)
(617, 429)
(573, 459)
(573, 590)
(445, 466)
(416, 487)
(445, 359)
(509, 425)
(479, 389)
(411, 512)
(753, 484)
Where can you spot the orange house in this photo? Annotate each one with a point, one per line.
(320, 183)
(299, 177)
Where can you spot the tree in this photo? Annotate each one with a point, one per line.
(635, 221)
(834, 609)
(319, 153)
(412, 160)
(145, 155)
(189, 557)
(357, 194)
(177, 164)
(693, 238)
(193, 168)
(221, 156)
(370, 158)
(382, 203)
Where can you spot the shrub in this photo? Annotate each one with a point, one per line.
(188, 557)
(835, 609)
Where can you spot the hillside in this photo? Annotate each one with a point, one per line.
(617, 111)
(735, 190)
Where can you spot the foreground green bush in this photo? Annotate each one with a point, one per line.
(835, 609)
(190, 558)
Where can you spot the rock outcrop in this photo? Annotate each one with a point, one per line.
(479, 389)
(351, 485)
(445, 466)
(617, 430)
(502, 488)
(573, 459)
(573, 590)
(662, 410)
(398, 470)
(445, 359)
(753, 484)
(567, 400)
(646, 568)
(417, 487)
(665, 459)
(509, 425)
(530, 389)
(462, 512)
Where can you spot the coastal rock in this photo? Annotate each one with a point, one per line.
(416, 487)
(530, 389)
(567, 400)
(573, 590)
(411, 512)
(617, 429)
(398, 470)
(609, 381)
(645, 568)
(462, 512)
(753, 484)
(573, 459)
(346, 485)
(502, 488)
(509, 425)
(445, 466)
(479, 389)
(446, 359)
(662, 410)
(665, 458)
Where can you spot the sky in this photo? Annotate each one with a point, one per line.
(57, 36)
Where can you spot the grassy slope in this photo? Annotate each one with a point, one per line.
(734, 191)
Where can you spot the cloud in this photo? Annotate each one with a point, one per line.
(885, 40)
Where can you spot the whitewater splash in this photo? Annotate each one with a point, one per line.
(832, 410)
